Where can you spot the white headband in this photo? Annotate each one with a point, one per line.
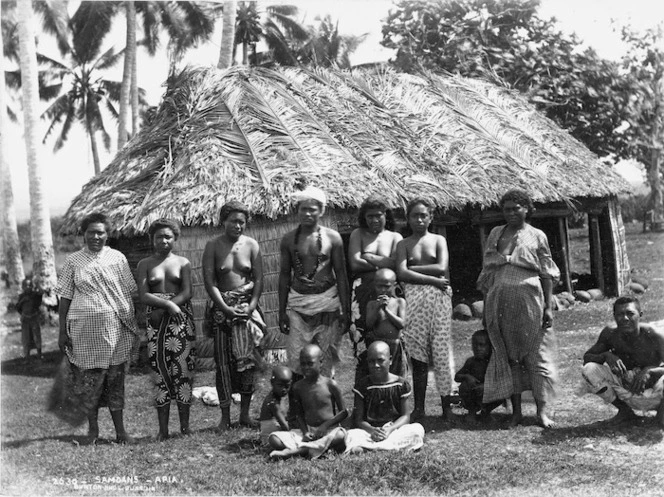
(310, 193)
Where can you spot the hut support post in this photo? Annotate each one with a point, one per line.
(564, 248)
(482, 238)
(596, 261)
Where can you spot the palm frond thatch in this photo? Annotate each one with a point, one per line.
(258, 135)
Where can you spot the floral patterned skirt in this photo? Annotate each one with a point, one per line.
(172, 352)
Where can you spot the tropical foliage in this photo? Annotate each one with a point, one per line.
(508, 42)
(644, 129)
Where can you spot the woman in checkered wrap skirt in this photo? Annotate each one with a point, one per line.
(97, 324)
(164, 285)
(422, 266)
(517, 281)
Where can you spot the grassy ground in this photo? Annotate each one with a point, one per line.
(582, 456)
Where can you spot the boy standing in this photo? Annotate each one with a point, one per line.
(319, 408)
(471, 379)
(381, 411)
(385, 320)
(29, 302)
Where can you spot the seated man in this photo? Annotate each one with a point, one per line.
(381, 408)
(626, 365)
(319, 407)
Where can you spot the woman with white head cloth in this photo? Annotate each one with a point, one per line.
(313, 286)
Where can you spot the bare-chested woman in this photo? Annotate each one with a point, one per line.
(313, 287)
(164, 285)
(422, 265)
(371, 247)
(233, 276)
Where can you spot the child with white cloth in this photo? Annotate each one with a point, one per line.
(381, 408)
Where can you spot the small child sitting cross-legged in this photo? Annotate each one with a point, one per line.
(471, 379)
(381, 410)
(319, 407)
(385, 320)
(274, 408)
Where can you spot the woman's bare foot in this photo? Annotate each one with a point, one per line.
(659, 417)
(517, 419)
(545, 421)
(162, 436)
(124, 439)
(249, 423)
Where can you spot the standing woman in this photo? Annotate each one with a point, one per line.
(97, 324)
(422, 265)
(371, 247)
(233, 276)
(517, 282)
(164, 286)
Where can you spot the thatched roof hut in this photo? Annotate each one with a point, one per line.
(258, 135)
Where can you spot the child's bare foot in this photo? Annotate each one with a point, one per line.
(356, 450)
(283, 454)
(625, 415)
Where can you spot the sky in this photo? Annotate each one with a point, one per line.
(69, 169)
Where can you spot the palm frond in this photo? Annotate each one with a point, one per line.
(258, 135)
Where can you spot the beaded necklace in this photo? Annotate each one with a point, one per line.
(299, 267)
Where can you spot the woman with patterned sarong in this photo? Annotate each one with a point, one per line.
(233, 276)
(517, 282)
(422, 265)
(164, 285)
(97, 328)
(372, 246)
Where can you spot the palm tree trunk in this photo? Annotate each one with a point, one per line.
(245, 54)
(227, 35)
(125, 88)
(43, 268)
(93, 147)
(134, 80)
(11, 246)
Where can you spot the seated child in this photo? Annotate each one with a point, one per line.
(381, 410)
(29, 302)
(471, 379)
(273, 410)
(319, 408)
(385, 319)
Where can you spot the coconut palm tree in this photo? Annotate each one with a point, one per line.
(11, 246)
(84, 93)
(43, 268)
(185, 23)
(248, 30)
(326, 47)
(227, 35)
(284, 34)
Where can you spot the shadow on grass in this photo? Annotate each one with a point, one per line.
(48, 365)
(78, 440)
(44, 368)
(643, 432)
